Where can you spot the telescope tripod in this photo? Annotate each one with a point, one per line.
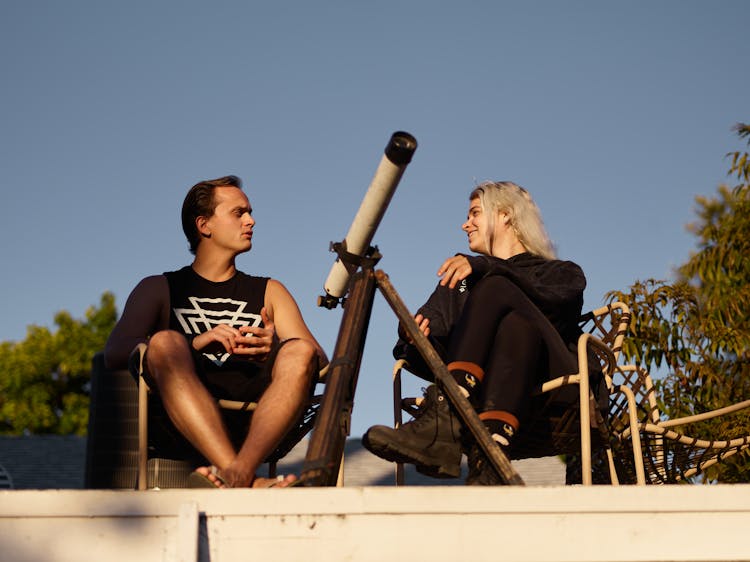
(333, 422)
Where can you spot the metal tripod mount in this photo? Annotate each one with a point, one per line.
(333, 422)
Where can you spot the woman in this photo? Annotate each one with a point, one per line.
(503, 320)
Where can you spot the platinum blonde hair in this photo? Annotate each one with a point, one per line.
(524, 216)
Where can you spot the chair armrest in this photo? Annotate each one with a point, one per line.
(237, 405)
(706, 415)
(584, 342)
(397, 368)
(604, 353)
(135, 361)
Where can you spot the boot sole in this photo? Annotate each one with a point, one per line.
(426, 465)
(442, 471)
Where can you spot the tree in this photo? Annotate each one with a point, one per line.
(45, 378)
(697, 328)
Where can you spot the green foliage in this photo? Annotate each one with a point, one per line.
(697, 328)
(44, 379)
(740, 162)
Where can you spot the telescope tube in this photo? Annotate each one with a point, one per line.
(396, 157)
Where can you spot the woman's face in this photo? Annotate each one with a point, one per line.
(476, 227)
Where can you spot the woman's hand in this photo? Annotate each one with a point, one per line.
(424, 327)
(453, 270)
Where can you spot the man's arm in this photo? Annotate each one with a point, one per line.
(283, 311)
(146, 312)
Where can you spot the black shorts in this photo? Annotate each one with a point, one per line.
(240, 379)
(245, 383)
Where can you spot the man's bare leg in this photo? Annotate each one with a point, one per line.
(195, 414)
(190, 406)
(278, 409)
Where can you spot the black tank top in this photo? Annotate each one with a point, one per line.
(197, 305)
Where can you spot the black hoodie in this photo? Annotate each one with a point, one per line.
(554, 286)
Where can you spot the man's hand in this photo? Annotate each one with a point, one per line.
(221, 337)
(250, 342)
(453, 270)
(256, 343)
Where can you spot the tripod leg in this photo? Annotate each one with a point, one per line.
(333, 421)
(446, 382)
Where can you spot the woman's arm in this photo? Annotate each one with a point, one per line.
(546, 282)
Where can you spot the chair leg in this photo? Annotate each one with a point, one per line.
(340, 477)
(585, 410)
(583, 386)
(612, 471)
(635, 436)
(142, 434)
(397, 416)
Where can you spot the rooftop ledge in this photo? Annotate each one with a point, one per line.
(380, 523)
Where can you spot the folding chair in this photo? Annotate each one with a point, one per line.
(182, 469)
(656, 450)
(564, 409)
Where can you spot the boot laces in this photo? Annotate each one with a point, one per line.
(420, 417)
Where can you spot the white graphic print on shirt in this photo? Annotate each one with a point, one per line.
(208, 313)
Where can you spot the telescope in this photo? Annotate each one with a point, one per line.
(353, 273)
(356, 246)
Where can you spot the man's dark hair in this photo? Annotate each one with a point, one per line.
(199, 202)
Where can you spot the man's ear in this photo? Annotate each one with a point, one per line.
(201, 223)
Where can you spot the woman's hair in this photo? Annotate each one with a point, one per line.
(524, 216)
(199, 202)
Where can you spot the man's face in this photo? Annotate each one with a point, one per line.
(231, 225)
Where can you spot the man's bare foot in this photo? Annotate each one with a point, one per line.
(210, 476)
(206, 477)
(279, 482)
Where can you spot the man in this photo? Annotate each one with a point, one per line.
(212, 330)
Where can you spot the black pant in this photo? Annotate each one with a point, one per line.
(503, 332)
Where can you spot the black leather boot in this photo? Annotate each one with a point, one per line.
(431, 441)
(481, 471)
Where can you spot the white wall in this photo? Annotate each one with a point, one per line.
(410, 523)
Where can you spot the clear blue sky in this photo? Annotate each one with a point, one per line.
(615, 115)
